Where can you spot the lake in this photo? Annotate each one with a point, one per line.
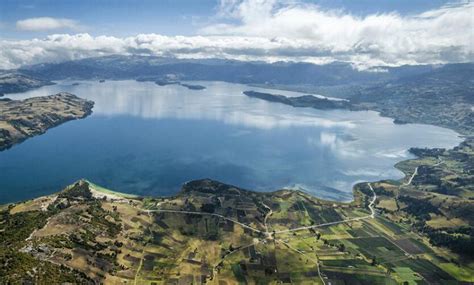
(147, 139)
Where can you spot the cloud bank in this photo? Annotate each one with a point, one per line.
(274, 31)
(46, 24)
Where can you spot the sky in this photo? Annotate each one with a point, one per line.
(367, 33)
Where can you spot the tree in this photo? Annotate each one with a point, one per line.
(374, 261)
(342, 247)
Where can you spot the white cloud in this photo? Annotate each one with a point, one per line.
(46, 24)
(60, 47)
(435, 36)
(275, 31)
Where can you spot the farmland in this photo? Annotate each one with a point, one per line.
(218, 234)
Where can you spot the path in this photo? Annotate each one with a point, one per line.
(411, 177)
(371, 208)
(269, 213)
(214, 269)
(205, 214)
(266, 232)
(372, 215)
(416, 172)
(304, 254)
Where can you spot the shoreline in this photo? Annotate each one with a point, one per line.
(463, 136)
(48, 112)
(109, 192)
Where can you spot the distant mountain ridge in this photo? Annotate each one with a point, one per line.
(13, 82)
(134, 67)
(442, 95)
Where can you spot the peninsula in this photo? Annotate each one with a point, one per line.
(189, 86)
(302, 101)
(21, 119)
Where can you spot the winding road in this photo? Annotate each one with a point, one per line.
(204, 214)
(304, 254)
(372, 215)
(416, 172)
(269, 213)
(266, 232)
(411, 177)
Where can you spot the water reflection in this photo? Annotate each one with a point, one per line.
(219, 101)
(149, 139)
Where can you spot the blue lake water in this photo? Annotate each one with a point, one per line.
(148, 139)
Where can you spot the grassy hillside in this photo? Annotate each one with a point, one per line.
(218, 234)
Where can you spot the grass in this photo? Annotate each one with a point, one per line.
(183, 235)
(387, 203)
(361, 232)
(238, 273)
(31, 205)
(425, 268)
(460, 273)
(346, 263)
(355, 278)
(395, 228)
(442, 222)
(380, 248)
(407, 275)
